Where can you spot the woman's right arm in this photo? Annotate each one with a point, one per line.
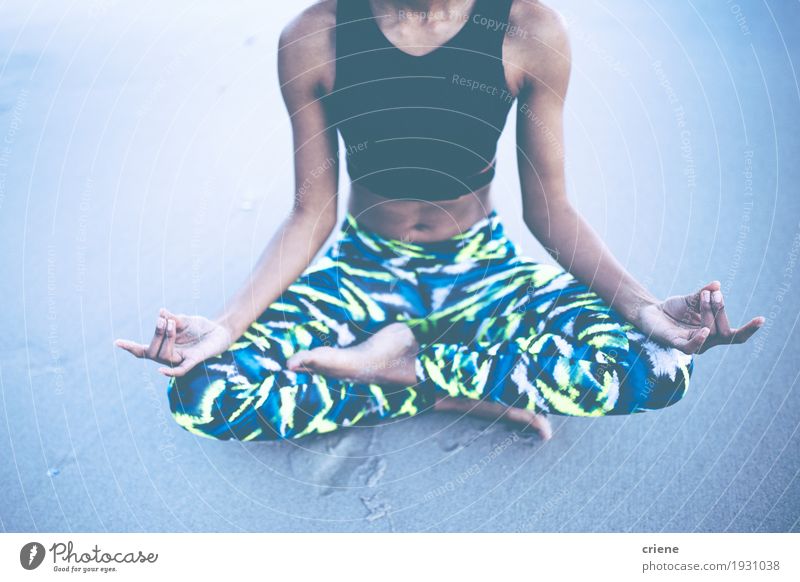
(306, 65)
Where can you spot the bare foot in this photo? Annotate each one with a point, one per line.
(388, 358)
(385, 358)
(493, 411)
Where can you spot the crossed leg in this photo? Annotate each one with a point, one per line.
(537, 340)
(257, 390)
(249, 393)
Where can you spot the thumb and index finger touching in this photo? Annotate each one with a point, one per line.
(144, 351)
(728, 334)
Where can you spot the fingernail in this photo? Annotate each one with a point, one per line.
(161, 323)
(706, 296)
(171, 324)
(717, 296)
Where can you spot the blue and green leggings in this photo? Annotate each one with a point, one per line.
(491, 325)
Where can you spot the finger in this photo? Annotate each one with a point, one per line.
(745, 332)
(158, 338)
(693, 343)
(710, 342)
(706, 314)
(180, 320)
(165, 354)
(720, 316)
(693, 301)
(181, 370)
(136, 349)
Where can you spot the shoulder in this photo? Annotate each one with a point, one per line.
(315, 24)
(307, 44)
(539, 21)
(537, 46)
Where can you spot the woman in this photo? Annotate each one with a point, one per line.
(422, 302)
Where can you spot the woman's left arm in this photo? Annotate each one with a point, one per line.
(691, 323)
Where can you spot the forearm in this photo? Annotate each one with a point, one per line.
(578, 248)
(286, 256)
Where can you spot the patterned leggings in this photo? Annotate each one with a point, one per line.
(491, 325)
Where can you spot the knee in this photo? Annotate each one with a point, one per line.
(667, 380)
(643, 375)
(207, 405)
(195, 403)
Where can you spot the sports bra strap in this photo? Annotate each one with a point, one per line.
(354, 20)
(488, 25)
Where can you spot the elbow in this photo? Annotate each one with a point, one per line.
(548, 217)
(539, 223)
(318, 222)
(534, 222)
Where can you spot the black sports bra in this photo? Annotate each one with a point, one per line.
(420, 127)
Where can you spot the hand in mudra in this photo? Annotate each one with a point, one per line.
(181, 342)
(694, 323)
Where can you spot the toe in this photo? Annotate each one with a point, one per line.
(542, 425)
(300, 361)
(526, 418)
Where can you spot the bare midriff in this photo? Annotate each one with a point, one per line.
(418, 220)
